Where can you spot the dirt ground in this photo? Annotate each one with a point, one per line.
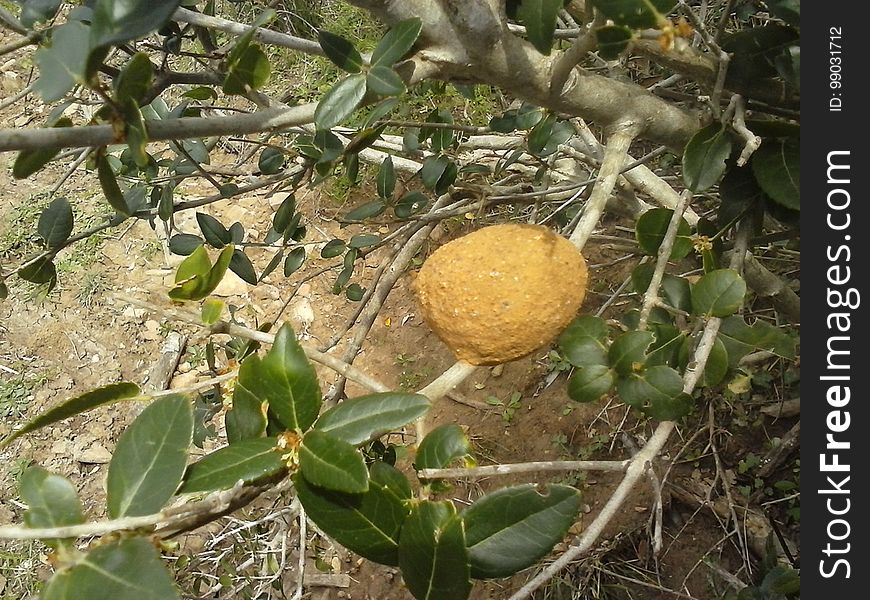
(84, 335)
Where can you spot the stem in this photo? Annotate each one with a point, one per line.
(528, 467)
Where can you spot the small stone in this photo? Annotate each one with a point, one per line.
(96, 454)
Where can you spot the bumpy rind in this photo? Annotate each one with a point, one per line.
(501, 292)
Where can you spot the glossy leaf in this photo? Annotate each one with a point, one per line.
(776, 166)
(51, 501)
(184, 243)
(242, 266)
(433, 169)
(384, 81)
(628, 351)
(410, 203)
(250, 72)
(62, 64)
(125, 569)
(213, 230)
(56, 223)
(397, 42)
(340, 51)
(432, 553)
(657, 391)
(612, 41)
(367, 523)
(366, 417)
(111, 190)
(635, 13)
(340, 101)
(271, 161)
(512, 528)
(442, 446)
(196, 277)
(391, 479)
(386, 180)
(740, 339)
(651, 228)
(294, 261)
(704, 157)
(667, 344)
(539, 18)
(718, 293)
(590, 383)
(247, 460)
(331, 463)
(42, 270)
(150, 458)
(333, 248)
(365, 211)
(74, 406)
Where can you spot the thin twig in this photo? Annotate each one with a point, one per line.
(527, 467)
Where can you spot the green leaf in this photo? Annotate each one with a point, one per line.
(365, 211)
(704, 157)
(62, 64)
(150, 458)
(36, 11)
(381, 110)
(410, 203)
(635, 13)
(126, 569)
(657, 391)
(664, 349)
(386, 181)
(442, 446)
(74, 406)
(738, 193)
(294, 260)
(717, 363)
(250, 72)
(333, 248)
(40, 271)
(397, 42)
(184, 244)
(741, 338)
(340, 101)
(329, 145)
(340, 51)
(754, 51)
(590, 383)
(651, 228)
(432, 553)
(134, 80)
(583, 341)
(512, 528)
(539, 18)
(271, 161)
(29, 162)
(241, 265)
(384, 81)
(247, 461)
(354, 292)
(56, 223)
(116, 21)
(196, 277)
(612, 41)
(329, 462)
(776, 166)
(363, 240)
(433, 169)
(718, 293)
(213, 230)
(285, 379)
(540, 134)
(787, 10)
(628, 351)
(109, 185)
(246, 418)
(360, 419)
(51, 501)
(211, 310)
(200, 93)
(391, 479)
(367, 523)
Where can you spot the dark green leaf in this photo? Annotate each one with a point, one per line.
(788, 65)
(364, 138)
(340, 101)
(432, 553)
(391, 479)
(333, 248)
(228, 190)
(704, 157)
(635, 13)
(116, 21)
(442, 446)
(718, 293)
(740, 339)
(56, 223)
(62, 64)
(781, 581)
(397, 42)
(250, 72)
(184, 243)
(512, 528)
(241, 265)
(166, 204)
(361, 213)
(433, 169)
(150, 458)
(717, 362)
(355, 292)
(657, 391)
(351, 168)
(247, 460)
(246, 418)
(562, 131)
(294, 261)
(367, 523)
(134, 80)
(540, 135)
(627, 352)
(271, 161)
(213, 230)
(668, 342)
(651, 228)
(42, 270)
(612, 41)
(384, 81)
(284, 214)
(331, 463)
(340, 51)
(754, 51)
(126, 569)
(51, 501)
(409, 204)
(196, 277)
(386, 181)
(74, 406)
(29, 162)
(363, 240)
(539, 17)
(504, 123)
(776, 166)
(360, 419)
(109, 185)
(36, 11)
(787, 10)
(590, 383)
(381, 110)
(329, 145)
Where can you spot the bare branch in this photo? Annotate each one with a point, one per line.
(528, 467)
